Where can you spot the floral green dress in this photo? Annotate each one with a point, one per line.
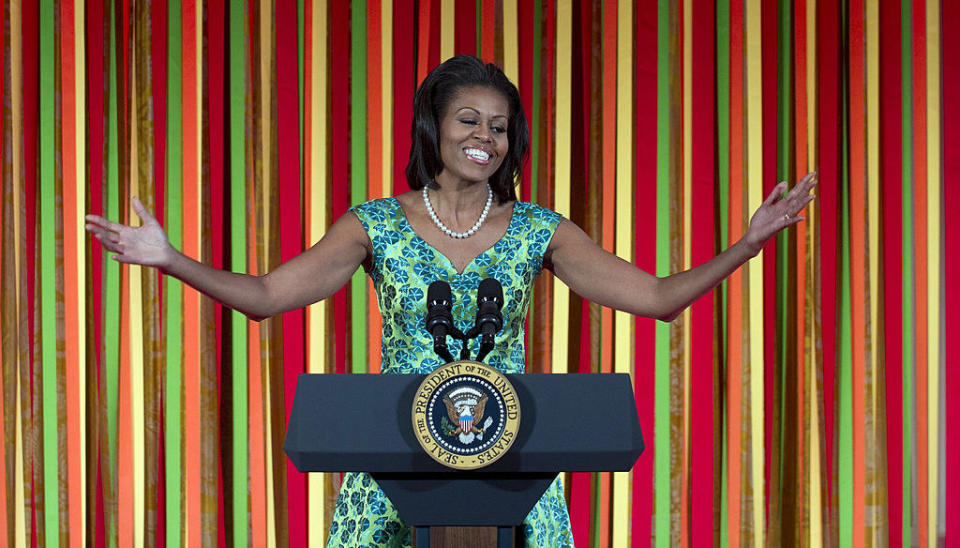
(403, 266)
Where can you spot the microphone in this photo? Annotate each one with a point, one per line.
(489, 319)
(439, 320)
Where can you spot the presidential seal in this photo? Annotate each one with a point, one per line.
(466, 415)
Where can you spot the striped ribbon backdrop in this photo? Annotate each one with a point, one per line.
(805, 402)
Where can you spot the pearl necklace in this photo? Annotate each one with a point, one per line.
(458, 235)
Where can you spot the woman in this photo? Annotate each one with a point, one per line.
(460, 223)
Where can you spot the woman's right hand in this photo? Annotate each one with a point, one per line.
(312, 275)
(144, 245)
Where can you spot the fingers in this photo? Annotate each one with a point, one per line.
(775, 193)
(111, 242)
(142, 212)
(804, 185)
(792, 216)
(103, 234)
(792, 221)
(96, 220)
(798, 204)
(96, 230)
(799, 196)
(808, 179)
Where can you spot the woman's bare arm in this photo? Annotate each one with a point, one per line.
(311, 276)
(608, 280)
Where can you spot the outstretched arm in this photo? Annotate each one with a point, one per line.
(609, 280)
(311, 276)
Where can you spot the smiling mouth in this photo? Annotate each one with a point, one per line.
(479, 156)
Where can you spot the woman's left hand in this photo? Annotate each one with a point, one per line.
(775, 215)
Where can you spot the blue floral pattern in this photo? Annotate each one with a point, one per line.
(403, 266)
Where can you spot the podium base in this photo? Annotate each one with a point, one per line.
(466, 537)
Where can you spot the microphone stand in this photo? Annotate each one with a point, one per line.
(489, 319)
(439, 320)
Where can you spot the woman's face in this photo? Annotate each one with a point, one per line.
(473, 135)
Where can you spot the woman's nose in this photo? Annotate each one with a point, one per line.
(482, 133)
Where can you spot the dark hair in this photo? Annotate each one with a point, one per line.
(431, 101)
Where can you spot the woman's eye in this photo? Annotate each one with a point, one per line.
(470, 122)
(499, 129)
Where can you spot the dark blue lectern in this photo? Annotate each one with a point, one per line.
(361, 423)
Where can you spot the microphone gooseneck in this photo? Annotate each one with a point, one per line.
(439, 318)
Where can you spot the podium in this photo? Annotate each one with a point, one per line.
(362, 423)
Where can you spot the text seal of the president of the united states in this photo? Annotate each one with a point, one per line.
(466, 415)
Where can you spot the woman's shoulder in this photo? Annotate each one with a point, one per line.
(377, 210)
(377, 204)
(537, 215)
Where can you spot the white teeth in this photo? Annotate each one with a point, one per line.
(477, 154)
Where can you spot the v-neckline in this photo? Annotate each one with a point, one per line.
(406, 222)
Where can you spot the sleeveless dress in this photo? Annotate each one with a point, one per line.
(403, 266)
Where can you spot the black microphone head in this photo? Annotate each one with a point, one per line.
(439, 294)
(490, 290)
(439, 319)
(489, 302)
